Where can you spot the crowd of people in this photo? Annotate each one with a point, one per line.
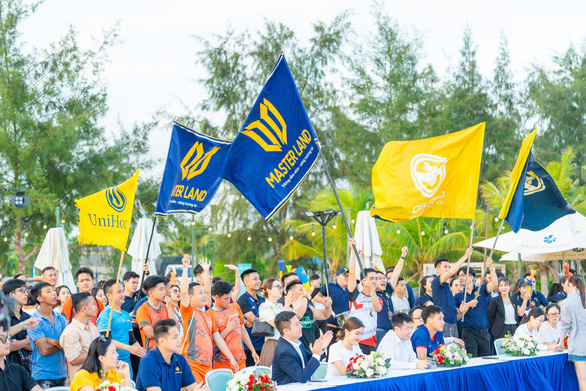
(172, 332)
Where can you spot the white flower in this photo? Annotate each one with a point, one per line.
(369, 372)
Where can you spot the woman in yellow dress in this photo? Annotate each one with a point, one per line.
(100, 365)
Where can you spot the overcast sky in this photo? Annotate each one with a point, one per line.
(154, 65)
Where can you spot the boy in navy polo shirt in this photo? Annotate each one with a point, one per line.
(249, 303)
(428, 336)
(442, 294)
(475, 324)
(163, 368)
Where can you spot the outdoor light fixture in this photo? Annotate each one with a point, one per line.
(229, 235)
(270, 239)
(19, 199)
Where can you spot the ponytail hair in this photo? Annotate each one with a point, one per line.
(350, 324)
(578, 282)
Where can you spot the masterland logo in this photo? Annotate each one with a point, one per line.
(196, 161)
(428, 173)
(276, 136)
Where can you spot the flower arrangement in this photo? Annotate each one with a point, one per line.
(107, 386)
(520, 346)
(246, 380)
(450, 356)
(373, 365)
(565, 345)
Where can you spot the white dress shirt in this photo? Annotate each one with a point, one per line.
(400, 352)
(297, 347)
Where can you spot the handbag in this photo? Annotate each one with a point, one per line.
(262, 329)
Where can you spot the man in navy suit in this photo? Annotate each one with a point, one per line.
(292, 362)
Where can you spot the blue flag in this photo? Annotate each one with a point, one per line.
(276, 147)
(192, 172)
(537, 201)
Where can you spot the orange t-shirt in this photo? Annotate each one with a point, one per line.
(197, 342)
(69, 313)
(234, 338)
(146, 315)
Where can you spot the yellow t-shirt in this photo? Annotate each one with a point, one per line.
(84, 378)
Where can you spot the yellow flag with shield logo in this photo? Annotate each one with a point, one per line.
(434, 177)
(104, 217)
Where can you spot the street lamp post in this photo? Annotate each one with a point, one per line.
(323, 217)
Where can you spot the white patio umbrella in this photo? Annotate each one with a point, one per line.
(54, 252)
(139, 244)
(566, 233)
(366, 236)
(573, 254)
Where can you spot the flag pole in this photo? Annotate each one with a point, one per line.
(323, 159)
(468, 266)
(146, 259)
(115, 290)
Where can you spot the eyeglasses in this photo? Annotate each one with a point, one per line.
(6, 338)
(22, 290)
(175, 291)
(555, 314)
(279, 287)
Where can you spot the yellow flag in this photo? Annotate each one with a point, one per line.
(434, 177)
(518, 172)
(104, 217)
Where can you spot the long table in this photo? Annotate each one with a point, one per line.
(546, 372)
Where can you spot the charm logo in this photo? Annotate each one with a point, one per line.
(116, 199)
(428, 173)
(196, 161)
(549, 239)
(277, 137)
(533, 183)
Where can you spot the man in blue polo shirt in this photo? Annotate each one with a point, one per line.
(442, 294)
(164, 369)
(475, 312)
(249, 303)
(48, 359)
(428, 336)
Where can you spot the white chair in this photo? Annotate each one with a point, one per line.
(217, 379)
(498, 346)
(321, 372)
(262, 371)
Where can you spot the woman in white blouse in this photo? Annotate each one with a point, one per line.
(530, 326)
(272, 291)
(549, 333)
(347, 347)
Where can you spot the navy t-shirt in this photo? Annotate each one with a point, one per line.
(477, 317)
(383, 319)
(340, 303)
(423, 300)
(410, 296)
(248, 303)
(537, 299)
(560, 297)
(443, 298)
(130, 301)
(154, 371)
(421, 339)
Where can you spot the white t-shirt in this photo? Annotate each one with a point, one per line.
(548, 334)
(338, 352)
(523, 331)
(267, 313)
(361, 308)
(401, 305)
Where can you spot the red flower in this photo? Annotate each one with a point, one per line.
(111, 388)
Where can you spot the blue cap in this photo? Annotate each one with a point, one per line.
(525, 281)
(342, 270)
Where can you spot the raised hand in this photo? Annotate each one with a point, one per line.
(205, 264)
(185, 261)
(468, 252)
(316, 348)
(404, 252)
(145, 267)
(326, 338)
(488, 263)
(232, 267)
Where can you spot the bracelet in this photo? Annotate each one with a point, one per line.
(401, 257)
(22, 325)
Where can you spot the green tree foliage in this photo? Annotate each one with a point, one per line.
(51, 145)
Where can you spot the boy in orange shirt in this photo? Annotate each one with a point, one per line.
(200, 331)
(228, 319)
(152, 310)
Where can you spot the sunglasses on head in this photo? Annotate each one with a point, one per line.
(103, 338)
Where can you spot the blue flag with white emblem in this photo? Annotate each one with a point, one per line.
(192, 172)
(537, 201)
(275, 148)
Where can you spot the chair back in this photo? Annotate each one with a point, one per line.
(321, 372)
(217, 379)
(498, 346)
(58, 388)
(260, 370)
